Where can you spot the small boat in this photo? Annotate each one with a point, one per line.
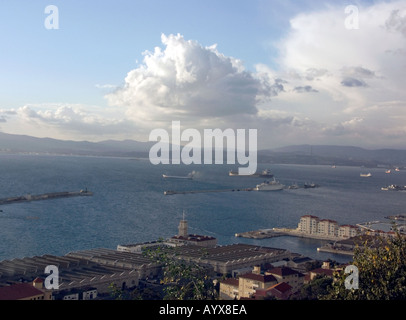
(366, 175)
(388, 171)
(310, 185)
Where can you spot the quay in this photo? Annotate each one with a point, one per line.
(278, 232)
(45, 196)
(260, 234)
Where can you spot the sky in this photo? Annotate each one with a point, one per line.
(300, 72)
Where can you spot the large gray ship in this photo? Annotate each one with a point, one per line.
(263, 174)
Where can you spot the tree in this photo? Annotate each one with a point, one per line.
(381, 264)
(315, 289)
(183, 280)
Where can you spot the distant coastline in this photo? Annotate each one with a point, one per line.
(301, 154)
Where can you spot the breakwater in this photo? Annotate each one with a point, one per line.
(45, 196)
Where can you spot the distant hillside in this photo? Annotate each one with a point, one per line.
(26, 144)
(334, 155)
(301, 154)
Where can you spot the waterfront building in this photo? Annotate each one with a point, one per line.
(88, 272)
(308, 224)
(348, 231)
(325, 228)
(183, 237)
(226, 259)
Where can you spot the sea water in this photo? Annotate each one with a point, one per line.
(129, 205)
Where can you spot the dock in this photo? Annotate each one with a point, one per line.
(278, 232)
(259, 234)
(45, 196)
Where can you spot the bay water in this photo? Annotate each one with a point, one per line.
(129, 205)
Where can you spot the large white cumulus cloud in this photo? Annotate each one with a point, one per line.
(188, 81)
(349, 81)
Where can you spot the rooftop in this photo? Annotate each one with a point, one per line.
(259, 277)
(19, 291)
(231, 282)
(281, 287)
(283, 271)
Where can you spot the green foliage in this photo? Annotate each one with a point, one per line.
(316, 289)
(183, 280)
(382, 271)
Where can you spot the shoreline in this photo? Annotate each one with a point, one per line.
(278, 232)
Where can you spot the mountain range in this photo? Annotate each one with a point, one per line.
(300, 154)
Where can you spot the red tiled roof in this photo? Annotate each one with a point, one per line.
(329, 220)
(327, 272)
(38, 280)
(259, 277)
(231, 282)
(283, 271)
(19, 291)
(281, 287)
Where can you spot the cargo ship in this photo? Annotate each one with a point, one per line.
(263, 174)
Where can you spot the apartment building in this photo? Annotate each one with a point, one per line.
(249, 283)
(278, 282)
(348, 231)
(287, 275)
(312, 225)
(308, 224)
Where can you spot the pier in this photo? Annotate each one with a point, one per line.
(260, 234)
(45, 196)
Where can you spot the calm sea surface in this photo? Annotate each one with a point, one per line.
(129, 205)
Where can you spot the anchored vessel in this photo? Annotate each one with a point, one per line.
(270, 186)
(177, 177)
(188, 177)
(366, 175)
(394, 187)
(263, 174)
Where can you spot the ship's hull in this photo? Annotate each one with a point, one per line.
(270, 188)
(256, 175)
(176, 177)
